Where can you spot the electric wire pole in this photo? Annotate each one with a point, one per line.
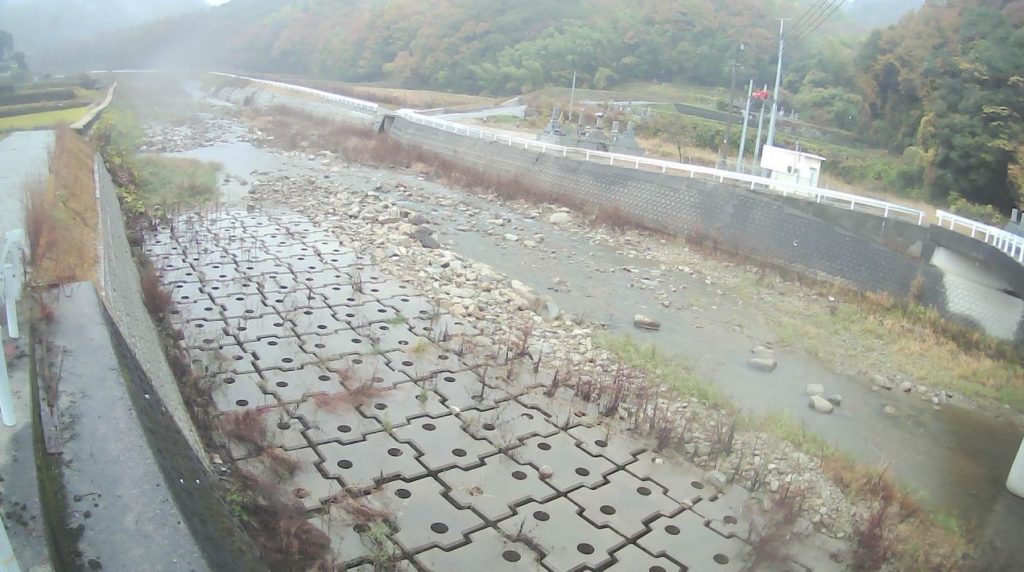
(778, 83)
(724, 153)
(743, 133)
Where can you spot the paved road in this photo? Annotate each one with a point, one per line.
(24, 156)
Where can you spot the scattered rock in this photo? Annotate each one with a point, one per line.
(425, 235)
(763, 352)
(511, 238)
(548, 309)
(559, 218)
(820, 404)
(815, 389)
(717, 479)
(546, 472)
(835, 400)
(762, 364)
(882, 381)
(889, 409)
(906, 387)
(418, 219)
(645, 323)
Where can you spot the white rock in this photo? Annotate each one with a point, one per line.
(815, 389)
(762, 364)
(511, 238)
(820, 404)
(645, 323)
(906, 387)
(559, 218)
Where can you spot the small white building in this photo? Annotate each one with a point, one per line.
(792, 167)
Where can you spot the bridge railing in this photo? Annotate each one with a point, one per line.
(1009, 243)
(753, 182)
(358, 104)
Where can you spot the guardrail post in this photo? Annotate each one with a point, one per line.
(8, 562)
(1015, 480)
(6, 398)
(11, 292)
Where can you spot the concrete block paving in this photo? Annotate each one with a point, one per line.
(363, 402)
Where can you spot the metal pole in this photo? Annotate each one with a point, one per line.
(760, 125)
(572, 96)
(1015, 481)
(724, 152)
(743, 133)
(8, 563)
(6, 398)
(778, 83)
(11, 288)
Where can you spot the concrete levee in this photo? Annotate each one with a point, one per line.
(263, 97)
(739, 221)
(155, 408)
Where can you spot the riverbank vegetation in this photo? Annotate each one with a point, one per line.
(61, 219)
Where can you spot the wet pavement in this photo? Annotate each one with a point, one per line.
(362, 396)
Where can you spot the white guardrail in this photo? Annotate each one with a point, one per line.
(1009, 243)
(352, 102)
(753, 182)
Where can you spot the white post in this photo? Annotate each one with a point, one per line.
(1015, 481)
(11, 288)
(8, 563)
(6, 398)
(778, 83)
(743, 134)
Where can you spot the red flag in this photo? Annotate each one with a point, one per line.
(762, 94)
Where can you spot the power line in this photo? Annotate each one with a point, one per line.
(818, 4)
(813, 27)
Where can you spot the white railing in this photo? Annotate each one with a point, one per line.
(359, 104)
(753, 182)
(1008, 242)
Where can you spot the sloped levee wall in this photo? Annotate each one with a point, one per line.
(262, 97)
(159, 410)
(739, 221)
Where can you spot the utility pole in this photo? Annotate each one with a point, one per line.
(724, 153)
(778, 83)
(743, 133)
(572, 96)
(760, 124)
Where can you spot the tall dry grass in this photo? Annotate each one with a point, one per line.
(61, 215)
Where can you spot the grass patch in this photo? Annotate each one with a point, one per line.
(42, 120)
(865, 338)
(669, 371)
(61, 216)
(169, 184)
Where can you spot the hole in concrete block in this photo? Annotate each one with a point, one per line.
(439, 527)
(429, 426)
(541, 515)
(697, 485)
(672, 529)
(582, 472)
(241, 403)
(511, 556)
(489, 427)
(344, 429)
(721, 559)
(519, 475)
(229, 380)
(344, 464)
(601, 443)
(324, 377)
(284, 425)
(380, 406)
(584, 548)
(544, 446)
(282, 384)
(395, 452)
(361, 528)
(644, 491)
(608, 510)
(656, 569)
(449, 379)
(730, 520)
(459, 452)
(403, 493)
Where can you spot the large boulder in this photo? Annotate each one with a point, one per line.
(766, 365)
(820, 404)
(425, 235)
(646, 323)
(560, 218)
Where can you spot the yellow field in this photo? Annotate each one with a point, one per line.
(37, 120)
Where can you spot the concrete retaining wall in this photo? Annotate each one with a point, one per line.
(262, 97)
(740, 221)
(159, 412)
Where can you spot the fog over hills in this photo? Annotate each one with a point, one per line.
(879, 13)
(38, 25)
